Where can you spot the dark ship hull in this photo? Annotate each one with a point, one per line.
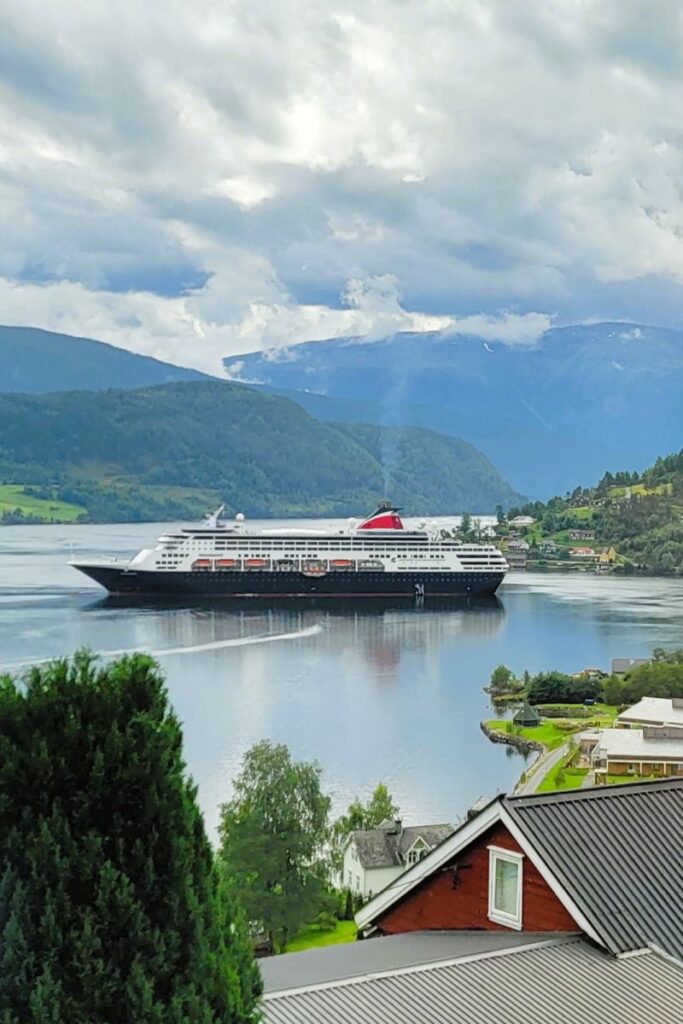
(293, 584)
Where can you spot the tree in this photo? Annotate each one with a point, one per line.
(380, 807)
(111, 907)
(273, 834)
(502, 679)
(466, 526)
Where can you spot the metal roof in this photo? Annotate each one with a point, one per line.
(617, 851)
(349, 959)
(657, 710)
(562, 981)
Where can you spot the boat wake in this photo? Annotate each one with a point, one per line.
(165, 652)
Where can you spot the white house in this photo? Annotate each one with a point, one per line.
(375, 857)
(522, 521)
(652, 711)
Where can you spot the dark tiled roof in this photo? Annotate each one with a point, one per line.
(380, 848)
(618, 852)
(563, 981)
(350, 959)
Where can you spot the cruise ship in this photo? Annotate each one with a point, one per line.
(376, 557)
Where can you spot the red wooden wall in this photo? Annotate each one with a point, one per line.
(437, 904)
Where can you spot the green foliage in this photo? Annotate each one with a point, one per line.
(111, 908)
(557, 687)
(503, 680)
(326, 921)
(380, 807)
(170, 451)
(273, 835)
(662, 677)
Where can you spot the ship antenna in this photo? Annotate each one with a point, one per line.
(213, 517)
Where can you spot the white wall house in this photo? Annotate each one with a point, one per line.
(375, 857)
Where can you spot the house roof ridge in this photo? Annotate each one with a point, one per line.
(430, 965)
(594, 793)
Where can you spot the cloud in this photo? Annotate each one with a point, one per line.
(205, 178)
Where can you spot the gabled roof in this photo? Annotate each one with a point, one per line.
(560, 980)
(653, 709)
(612, 855)
(383, 848)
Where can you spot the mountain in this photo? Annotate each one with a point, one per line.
(36, 361)
(174, 450)
(585, 399)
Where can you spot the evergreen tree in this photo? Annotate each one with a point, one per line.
(111, 907)
(273, 833)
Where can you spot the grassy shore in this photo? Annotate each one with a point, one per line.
(12, 497)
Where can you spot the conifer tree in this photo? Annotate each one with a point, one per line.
(111, 907)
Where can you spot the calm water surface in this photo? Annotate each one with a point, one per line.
(391, 693)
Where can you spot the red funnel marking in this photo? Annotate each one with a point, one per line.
(382, 521)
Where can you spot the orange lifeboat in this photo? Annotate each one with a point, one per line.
(202, 563)
(227, 563)
(256, 563)
(341, 563)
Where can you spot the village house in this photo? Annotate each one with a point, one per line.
(522, 521)
(516, 559)
(620, 666)
(582, 534)
(548, 547)
(652, 750)
(527, 912)
(582, 552)
(652, 711)
(373, 858)
(517, 545)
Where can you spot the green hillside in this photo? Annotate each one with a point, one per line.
(640, 515)
(175, 450)
(35, 361)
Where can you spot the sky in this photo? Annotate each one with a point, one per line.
(195, 179)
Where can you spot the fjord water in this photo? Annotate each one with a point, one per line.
(370, 691)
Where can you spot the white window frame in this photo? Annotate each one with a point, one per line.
(497, 853)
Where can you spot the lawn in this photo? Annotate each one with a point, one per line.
(12, 496)
(570, 778)
(311, 936)
(549, 732)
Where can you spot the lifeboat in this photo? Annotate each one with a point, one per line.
(341, 563)
(256, 563)
(313, 567)
(227, 563)
(370, 566)
(202, 563)
(286, 565)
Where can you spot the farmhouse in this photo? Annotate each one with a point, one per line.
(652, 711)
(523, 913)
(375, 857)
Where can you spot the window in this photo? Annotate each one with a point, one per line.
(416, 853)
(505, 887)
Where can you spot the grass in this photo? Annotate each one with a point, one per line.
(619, 779)
(550, 733)
(12, 496)
(569, 778)
(311, 936)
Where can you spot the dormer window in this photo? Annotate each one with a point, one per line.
(505, 887)
(417, 851)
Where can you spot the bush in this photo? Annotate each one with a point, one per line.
(325, 921)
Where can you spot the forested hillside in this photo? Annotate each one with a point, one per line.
(175, 450)
(35, 361)
(640, 514)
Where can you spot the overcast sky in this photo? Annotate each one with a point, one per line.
(198, 178)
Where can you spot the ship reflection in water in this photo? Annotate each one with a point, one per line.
(380, 631)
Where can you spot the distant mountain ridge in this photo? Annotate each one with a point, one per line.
(585, 399)
(173, 450)
(34, 361)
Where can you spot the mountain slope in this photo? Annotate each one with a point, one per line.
(36, 361)
(586, 399)
(173, 449)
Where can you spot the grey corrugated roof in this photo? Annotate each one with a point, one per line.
(380, 848)
(331, 963)
(558, 982)
(617, 851)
